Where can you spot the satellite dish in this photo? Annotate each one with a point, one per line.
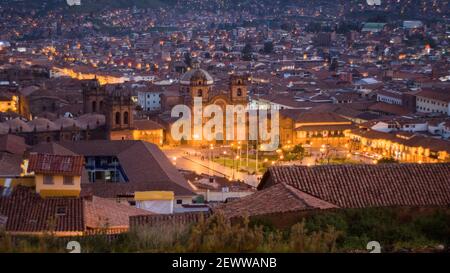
(73, 2)
(68, 115)
(373, 2)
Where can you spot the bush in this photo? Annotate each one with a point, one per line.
(325, 231)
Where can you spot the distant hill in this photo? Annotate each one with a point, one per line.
(86, 5)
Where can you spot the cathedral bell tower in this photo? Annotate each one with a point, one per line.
(239, 89)
(93, 97)
(119, 110)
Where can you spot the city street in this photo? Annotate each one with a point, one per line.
(198, 160)
(191, 159)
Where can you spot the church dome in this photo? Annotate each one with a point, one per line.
(196, 75)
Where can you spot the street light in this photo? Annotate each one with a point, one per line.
(240, 154)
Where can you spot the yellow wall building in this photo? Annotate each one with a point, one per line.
(9, 103)
(56, 175)
(57, 185)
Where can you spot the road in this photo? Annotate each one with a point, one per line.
(197, 160)
(191, 159)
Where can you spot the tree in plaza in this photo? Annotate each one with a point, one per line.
(188, 59)
(297, 153)
(247, 52)
(387, 160)
(268, 47)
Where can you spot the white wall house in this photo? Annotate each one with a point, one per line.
(442, 129)
(390, 97)
(150, 100)
(429, 102)
(160, 202)
(402, 125)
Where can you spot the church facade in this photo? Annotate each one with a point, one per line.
(199, 84)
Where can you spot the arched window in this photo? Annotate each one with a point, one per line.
(101, 106)
(200, 93)
(239, 92)
(94, 106)
(239, 82)
(117, 118)
(125, 118)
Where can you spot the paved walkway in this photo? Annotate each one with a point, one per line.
(190, 159)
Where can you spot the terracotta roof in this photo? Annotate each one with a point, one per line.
(312, 117)
(437, 94)
(342, 110)
(146, 124)
(145, 165)
(12, 144)
(314, 128)
(56, 164)
(389, 108)
(10, 164)
(28, 212)
(433, 144)
(357, 186)
(320, 117)
(167, 219)
(276, 199)
(101, 212)
(50, 148)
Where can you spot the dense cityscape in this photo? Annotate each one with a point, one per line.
(356, 95)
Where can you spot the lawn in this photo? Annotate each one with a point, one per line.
(228, 162)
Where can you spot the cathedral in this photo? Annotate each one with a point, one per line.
(199, 84)
(116, 103)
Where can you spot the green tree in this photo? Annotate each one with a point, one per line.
(268, 47)
(247, 53)
(188, 59)
(387, 160)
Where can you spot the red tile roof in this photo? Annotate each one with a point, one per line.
(101, 212)
(389, 108)
(146, 124)
(12, 144)
(27, 212)
(56, 164)
(436, 94)
(276, 199)
(145, 165)
(167, 219)
(358, 186)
